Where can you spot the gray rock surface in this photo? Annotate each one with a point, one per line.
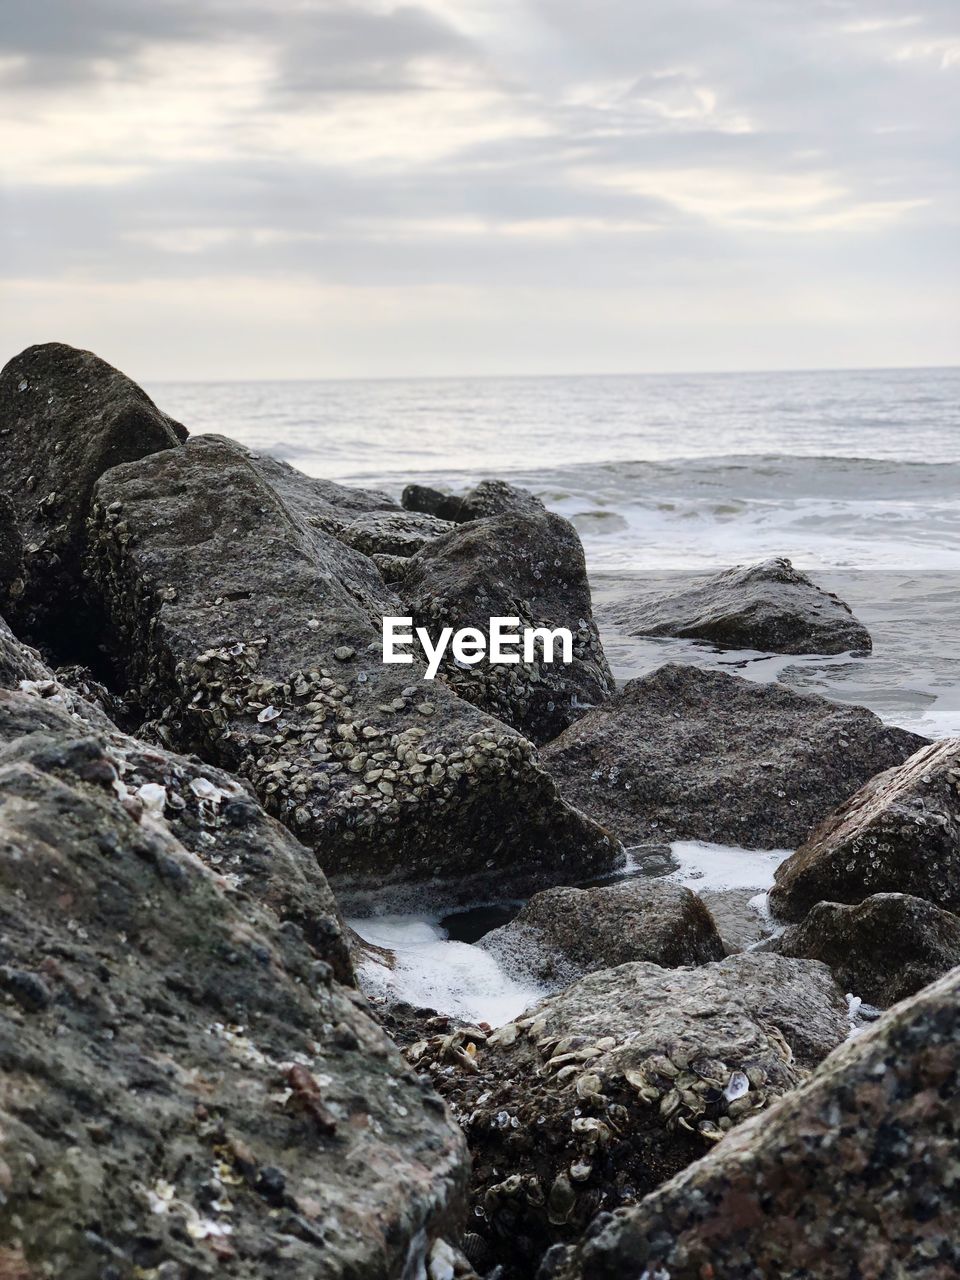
(769, 606)
(900, 833)
(186, 1089)
(527, 566)
(65, 417)
(252, 637)
(854, 1174)
(393, 533)
(598, 1094)
(562, 934)
(12, 567)
(488, 498)
(883, 949)
(685, 753)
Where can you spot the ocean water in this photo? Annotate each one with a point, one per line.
(853, 475)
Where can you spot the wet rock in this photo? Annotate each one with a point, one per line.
(900, 833)
(854, 1174)
(185, 1087)
(527, 566)
(598, 1094)
(65, 417)
(740, 915)
(393, 533)
(769, 606)
(253, 637)
(562, 934)
(882, 949)
(685, 753)
(488, 498)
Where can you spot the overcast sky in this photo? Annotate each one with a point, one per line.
(289, 188)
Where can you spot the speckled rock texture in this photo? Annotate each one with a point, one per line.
(855, 1174)
(12, 569)
(528, 566)
(883, 949)
(186, 1089)
(66, 416)
(899, 834)
(252, 637)
(488, 498)
(562, 934)
(393, 533)
(598, 1094)
(685, 753)
(769, 606)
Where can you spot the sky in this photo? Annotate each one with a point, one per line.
(212, 189)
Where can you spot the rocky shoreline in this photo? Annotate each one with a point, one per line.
(204, 765)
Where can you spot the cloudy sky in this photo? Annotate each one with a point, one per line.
(296, 188)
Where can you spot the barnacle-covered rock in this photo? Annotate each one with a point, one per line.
(393, 533)
(900, 833)
(685, 753)
(561, 934)
(528, 566)
(769, 606)
(186, 1089)
(66, 417)
(598, 1094)
(854, 1174)
(253, 637)
(488, 498)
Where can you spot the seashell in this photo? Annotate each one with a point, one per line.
(709, 1130)
(505, 1036)
(637, 1077)
(605, 1044)
(580, 1171)
(589, 1085)
(662, 1065)
(561, 1200)
(740, 1106)
(669, 1104)
(268, 713)
(585, 1124)
(737, 1086)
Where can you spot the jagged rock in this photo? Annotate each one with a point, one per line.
(882, 949)
(596, 1095)
(528, 566)
(321, 504)
(11, 552)
(769, 606)
(488, 498)
(66, 416)
(393, 533)
(740, 915)
(685, 753)
(854, 1174)
(185, 1087)
(253, 637)
(900, 833)
(562, 934)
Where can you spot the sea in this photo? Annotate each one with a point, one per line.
(853, 475)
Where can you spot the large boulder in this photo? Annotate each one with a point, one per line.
(526, 566)
(769, 606)
(685, 753)
(598, 1094)
(854, 1174)
(900, 833)
(186, 1088)
(562, 934)
(488, 498)
(66, 416)
(393, 533)
(883, 949)
(12, 567)
(252, 636)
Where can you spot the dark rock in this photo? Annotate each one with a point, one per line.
(253, 638)
(769, 606)
(740, 922)
(65, 417)
(320, 504)
(528, 566)
(488, 498)
(685, 753)
(900, 833)
(393, 533)
(852, 1175)
(562, 934)
(11, 552)
(598, 1094)
(882, 949)
(178, 1091)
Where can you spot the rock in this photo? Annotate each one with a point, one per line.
(854, 1174)
(598, 1094)
(252, 637)
(65, 417)
(769, 606)
(882, 949)
(562, 934)
(393, 533)
(185, 1087)
(488, 498)
(900, 833)
(740, 915)
(11, 552)
(526, 566)
(685, 753)
(321, 504)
